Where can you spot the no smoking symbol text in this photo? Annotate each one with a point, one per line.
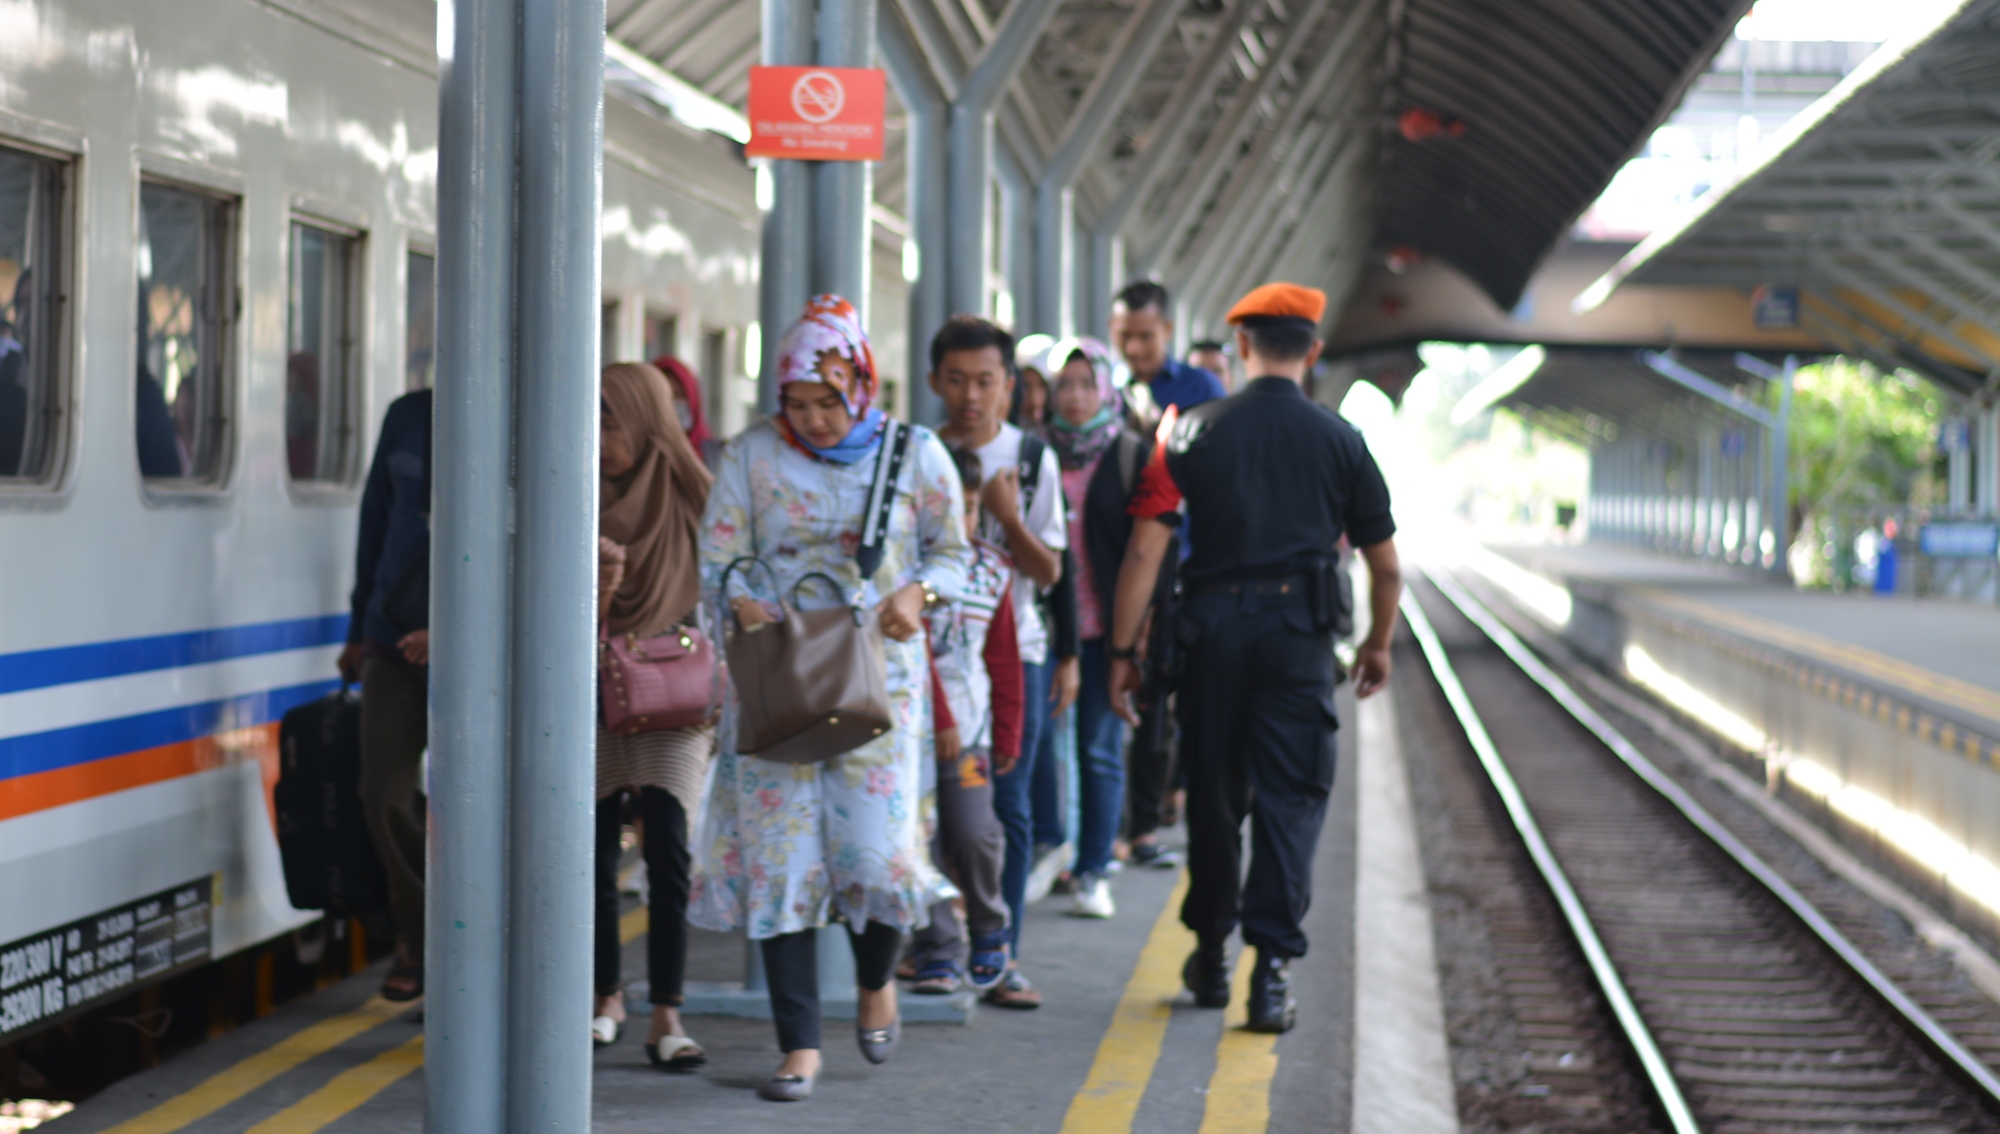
(818, 96)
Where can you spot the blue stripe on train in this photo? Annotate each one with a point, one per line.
(62, 665)
(98, 740)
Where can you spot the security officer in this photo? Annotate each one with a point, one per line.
(1268, 482)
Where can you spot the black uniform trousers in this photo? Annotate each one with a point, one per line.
(1257, 725)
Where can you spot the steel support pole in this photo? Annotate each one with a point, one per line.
(1781, 473)
(465, 1046)
(929, 111)
(1138, 40)
(784, 280)
(555, 567)
(842, 189)
(971, 150)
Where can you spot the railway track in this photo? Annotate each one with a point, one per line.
(1743, 1006)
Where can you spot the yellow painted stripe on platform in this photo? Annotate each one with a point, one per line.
(1239, 1093)
(345, 1091)
(228, 1085)
(1110, 1097)
(632, 925)
(1892, 671)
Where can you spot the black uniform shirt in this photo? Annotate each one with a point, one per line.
(1270, 480)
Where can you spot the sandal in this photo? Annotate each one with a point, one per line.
(676, 1053)
(604, 1031)
(936, 978)
(906, 969)
(1015, 992)
(987, 966)
(405, 981)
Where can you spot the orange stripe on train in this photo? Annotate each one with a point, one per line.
(23, 795)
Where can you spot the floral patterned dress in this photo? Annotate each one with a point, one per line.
(788, 847)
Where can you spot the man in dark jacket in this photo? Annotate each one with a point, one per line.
(388, 651)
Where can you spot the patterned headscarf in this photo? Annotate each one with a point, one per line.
(831, 324)
(1078, 445)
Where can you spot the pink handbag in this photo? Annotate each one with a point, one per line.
(672, 681)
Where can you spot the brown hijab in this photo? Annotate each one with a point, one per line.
(654, 510)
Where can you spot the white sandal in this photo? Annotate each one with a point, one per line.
(604, 1031)
(676, 1053)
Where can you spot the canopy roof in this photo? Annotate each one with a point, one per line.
(1881, 206)
(1295, 138)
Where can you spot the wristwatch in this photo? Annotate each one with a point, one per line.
(931, 598)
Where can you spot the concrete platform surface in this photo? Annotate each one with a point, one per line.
(1937, 650)
(1118, 1045)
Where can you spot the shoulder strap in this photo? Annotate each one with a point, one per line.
(1131, 460)
(881, 497)
(1032, 448)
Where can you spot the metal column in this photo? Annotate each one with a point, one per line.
(784, 280)
(842, 189)
(1781, 500)
(555, 567)
(929, 110)
(465, 1013)
(1138, 40)
(971, 150)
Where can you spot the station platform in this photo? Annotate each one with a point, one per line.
(1936, 653)
(1117, 1046)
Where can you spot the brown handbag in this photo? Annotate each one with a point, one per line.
(810, 686)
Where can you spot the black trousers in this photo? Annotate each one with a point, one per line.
(1257, 725)
(1149, 772)
(791, 967)
(665, 848)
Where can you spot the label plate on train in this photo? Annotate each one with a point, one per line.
(103, 956)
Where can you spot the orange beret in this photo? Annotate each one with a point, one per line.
(1280, 300)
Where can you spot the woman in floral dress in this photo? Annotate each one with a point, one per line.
(788, 848)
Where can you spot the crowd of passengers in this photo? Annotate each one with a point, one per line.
(994, 596)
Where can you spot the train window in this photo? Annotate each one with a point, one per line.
(320, 356)
(186, 302)
(420, 322)
(31, 260)
(662, 334)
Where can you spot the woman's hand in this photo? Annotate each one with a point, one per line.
(948, 746)
(749, 612)
(610, 574)
(416, 647)
(903, 613)
(1063, 690)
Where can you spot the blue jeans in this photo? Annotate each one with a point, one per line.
(1014, 797)
(1100, 759)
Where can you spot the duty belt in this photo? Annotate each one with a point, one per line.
(1284, 585)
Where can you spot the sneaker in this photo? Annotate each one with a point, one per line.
(1093, 897)
(1154, 855)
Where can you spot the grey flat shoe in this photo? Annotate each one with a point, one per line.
(878, 1045)
(787, 1088)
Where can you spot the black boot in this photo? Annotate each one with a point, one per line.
(1272, 1008)
(1206, 974)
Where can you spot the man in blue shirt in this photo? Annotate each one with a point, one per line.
(1142, 328)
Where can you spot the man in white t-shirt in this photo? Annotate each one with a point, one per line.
(1023, 502)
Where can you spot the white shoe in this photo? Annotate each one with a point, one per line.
(604, 1031)
(1093, 898)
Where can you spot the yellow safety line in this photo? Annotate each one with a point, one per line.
(232, 1083)
(1110, 1097)
(345, 1091)
(1911, 678)
(632, 925)
(1239, 1093)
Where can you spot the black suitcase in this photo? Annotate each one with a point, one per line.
(330, 861)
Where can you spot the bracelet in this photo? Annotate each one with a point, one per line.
(930, 596)
(1126, 654)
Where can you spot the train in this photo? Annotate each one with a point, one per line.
(217, 263)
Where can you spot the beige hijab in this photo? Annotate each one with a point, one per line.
(654, 510)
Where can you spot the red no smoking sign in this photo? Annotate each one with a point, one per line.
(816, 113)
